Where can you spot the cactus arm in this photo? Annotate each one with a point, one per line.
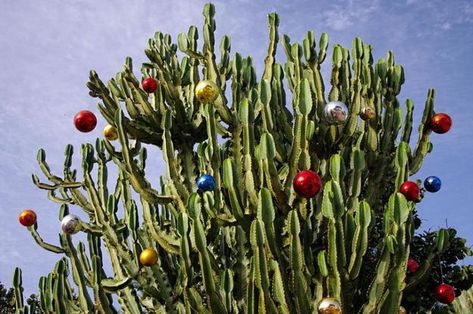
(211, 71)
(298, 282)
(44, 245)
(18, 291)
(423, 146)
(247, 121)
(194, 206)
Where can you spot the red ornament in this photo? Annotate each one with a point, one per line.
(27, 217)
(412, 266)
(85, 121)
(410, 190)
(445, 293)
(440, 123)
(149, 84)
(307, 183)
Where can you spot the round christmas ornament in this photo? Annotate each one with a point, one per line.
(148, 257)
(206, 91)
(412, 266)
(110, 132)
(335, 112)
(307, 183)
(27, 217)
(70, 224)
(445, 293)
(329, 306)
(440, 123)
(410, 190)
(402, 310)
(149, 85)
(367, 113)
(432, 184)
(85, 121)
(206, 183)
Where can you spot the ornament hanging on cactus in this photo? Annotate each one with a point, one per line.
(367, 113)
(445, 293)
(206, 91)
(71, 224)
(148, 257)
(440, 123)
(206, 183)
(335, 112)
(27, 217)
(412, 266)
(329, 306)
(85, 121)
(110, 132)
(432, 184)
(402, 310)
(307, 184)
(410, 190)
(149, 85)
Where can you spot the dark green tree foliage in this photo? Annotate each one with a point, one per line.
(7, 300)
(251, 245)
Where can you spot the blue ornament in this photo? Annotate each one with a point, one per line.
(432, 184)
(206, 183)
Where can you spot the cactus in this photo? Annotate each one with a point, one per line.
(251, 245)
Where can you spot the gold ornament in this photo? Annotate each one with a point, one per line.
(402, 310)
(148, 257)
(367, 113)
(329, 306)
(206, 91)
(110, 132)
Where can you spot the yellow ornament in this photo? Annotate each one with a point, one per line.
(367, 113)
(148, 257)
(110, 132)
(402, 310)
(206, 91)
(329, 306)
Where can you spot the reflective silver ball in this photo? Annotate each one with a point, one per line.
(70, 224)
(335, 112)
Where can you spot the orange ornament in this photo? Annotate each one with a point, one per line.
(148, 257)
(27, 217)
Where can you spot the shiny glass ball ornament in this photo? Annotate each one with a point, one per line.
(445, 293)
(410, 190)
(110, 132)
(402, 310)
(206, 91)
(307, 184)
(206, 183)
(149, 85)
(329, 306)
(335, 112)
(70, 224)
(27, 217)
(412, 265)
(148, 257)
(440, 123)
(367, 113)
(432, 184)
(85, 121)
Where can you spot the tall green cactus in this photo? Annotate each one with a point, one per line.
(252, 245)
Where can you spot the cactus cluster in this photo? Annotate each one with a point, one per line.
(251, 245)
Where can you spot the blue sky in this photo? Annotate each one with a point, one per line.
(47, 50)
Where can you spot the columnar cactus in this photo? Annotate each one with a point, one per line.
(251, 245)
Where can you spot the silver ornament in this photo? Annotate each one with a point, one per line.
(336, 112)
(70, 224)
